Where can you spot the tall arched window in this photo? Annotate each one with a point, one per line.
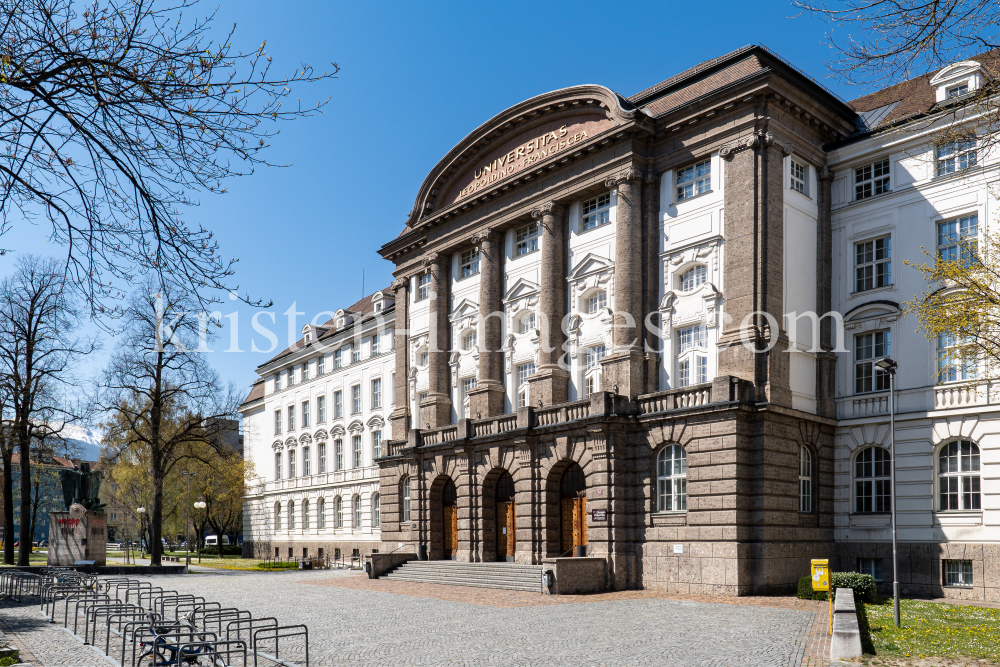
(277, 516)
(671, 479)
(376, 511)
(356, 507)
(305, 514)
(321, 512)
(805, 479)
(958, 476)
(338, 517)
(406, 498)
(872, 471)
(291, 515)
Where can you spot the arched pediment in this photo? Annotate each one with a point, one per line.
(955, 71)
(531, 133)
(376, 422)
(877, 308)
(520, 289)
(356, 426)
(589, 265)
(305, 438)
(290, 442)
(320, 435)
(278, 446)
(337, 431)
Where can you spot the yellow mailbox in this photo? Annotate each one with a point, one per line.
(821, 574)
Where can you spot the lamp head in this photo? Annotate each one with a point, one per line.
(140, 510)
(887, 364)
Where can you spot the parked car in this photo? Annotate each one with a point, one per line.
(213, 540)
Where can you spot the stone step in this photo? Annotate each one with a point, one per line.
(448, 576)
(473, 567)
(505, 576)
(496, 584)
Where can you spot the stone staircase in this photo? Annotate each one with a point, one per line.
(507, 576)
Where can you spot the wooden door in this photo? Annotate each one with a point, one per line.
(511, 531)
(450, 531)
(568, 510)
(574, 524)
(502, 532)
(582, 508)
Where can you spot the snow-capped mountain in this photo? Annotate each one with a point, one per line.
(81, 441)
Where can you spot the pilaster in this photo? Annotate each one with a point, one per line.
(551, 383)
(400, 416)
(826, 361)
(435, 410)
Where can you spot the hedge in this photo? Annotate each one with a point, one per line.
(863, 585)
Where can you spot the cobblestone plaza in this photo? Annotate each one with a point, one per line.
(356, 621)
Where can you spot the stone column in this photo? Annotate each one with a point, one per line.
(651, 277)
(435, 410)
(754, 200)
(551, 383)
(826, 361)
(487, 399)
(624, 367)
(400, 417)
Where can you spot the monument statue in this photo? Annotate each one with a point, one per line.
(83, 487)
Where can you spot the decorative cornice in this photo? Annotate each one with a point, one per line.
(623, 176)
(757, 139)
(548, 208)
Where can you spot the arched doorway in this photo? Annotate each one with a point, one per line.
(449, 518)
(573, 503)
(505, 521)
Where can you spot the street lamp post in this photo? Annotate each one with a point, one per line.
(142, 546)
(200, 505)
(187, 521)
(888, 365)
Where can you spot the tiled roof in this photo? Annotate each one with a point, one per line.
(55, 461)
(700, 67)
(913, 97)
(735, 72)
(256, 391)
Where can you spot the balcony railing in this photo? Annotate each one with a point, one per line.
(494, 425)
(562, 413)
(676, 399)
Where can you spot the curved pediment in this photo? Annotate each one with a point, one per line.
(518, 138)
(337, 430)
(356, 426)
(955, 71)
(876, 308)
(376, 422)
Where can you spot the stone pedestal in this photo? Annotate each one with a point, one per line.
(72, 540)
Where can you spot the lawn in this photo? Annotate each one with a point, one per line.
(933, 629)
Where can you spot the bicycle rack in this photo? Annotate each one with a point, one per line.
(280, 632)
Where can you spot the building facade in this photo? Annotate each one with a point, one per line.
(313, 427)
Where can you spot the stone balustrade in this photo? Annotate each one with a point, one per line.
(562, 413)
(676, 399)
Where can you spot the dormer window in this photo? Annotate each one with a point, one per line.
(958, 80)
(378, 306)
(957, 91)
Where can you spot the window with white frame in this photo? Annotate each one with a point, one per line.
(871, 179)
(694, 180)
(338, 404)
(356, 399)
(356, 441)
(954, 155)
(375, 344)
(958, 573)
(321, 513)
(338, 454)
(338, 358)
(958, 477)
(592, 369)
(291, 418)
(526, 239)
(405, 494)
(469, 341)
(277, 381)
(951, 366)
(321, 364)
(291, 464)
(872, 481)
(869, 348)
(597, 301)
(799, 177)
(376, 511)
(423, 286)
(423, 358)
(277, 422)
(957, 239)
(872, 566)
(957, 91)
(805, 479)
(355, 354)
(671, 479)
(321, 458)
(321, 409)
(376, 445)
(524, 371)
(526, 324)
(305, 514)
(596, 212)
(692, 364)
(277, 516)
(376, 393)
(291, 515)
(305, 371)
(356, 506)
(277, 466)
(306, 462)
(468, 384)
(872, 264)
(694, 277)
(469, 265)
(701, 369)
(338, 516)
(290, 375)
(305, 414)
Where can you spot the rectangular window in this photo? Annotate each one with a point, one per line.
(291, 377)
(871, 179)
(291, 418)
(684, 373)
(376, 445)
(424, 358)
(596, 212)
(423, 286)
(694, 180)
(694, 278)
(469, 341)
(868, 348)
(594, 356)
(277, 466)
(872, 566)
(872, 264)
(355, 354)
(470, 263)
(321, 459)
(356, 399)
(956, 239)
(526, 324)
(958, 573)
(338, 358)
(702, 369)
(321, 409)
(798, 177)
(338, 404)
(524, 371)
(321, 364)
(305, 371)
(957, 91)
(277, 382)
(375, 345)
(951, 368)
(277, 422)
(468, 384)
(306, 462)
(597, 301)
(694, 337)
(376, 393)
(956, 155)
(356, 441)
(590, 385)
(338, 454)
(291, 464)
(526, 240)
(305, 414)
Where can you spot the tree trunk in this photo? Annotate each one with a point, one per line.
(24, 439)
(8, 509)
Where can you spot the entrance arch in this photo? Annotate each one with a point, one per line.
(573, 510)
(506, 524)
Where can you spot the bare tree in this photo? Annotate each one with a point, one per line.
(7, 445)
(163, 396)
(114, 116)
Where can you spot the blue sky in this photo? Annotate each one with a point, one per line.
(416, 78)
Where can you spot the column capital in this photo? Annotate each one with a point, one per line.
(756, 139)
(487, 234)
(400, 283)
(548, 208)
(629, 173)
(431, 258)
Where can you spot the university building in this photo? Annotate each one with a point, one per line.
(608, 342)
